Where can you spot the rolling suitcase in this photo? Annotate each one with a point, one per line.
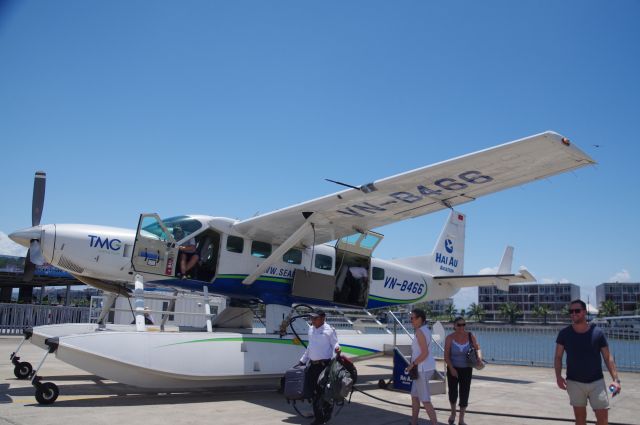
(295, 385)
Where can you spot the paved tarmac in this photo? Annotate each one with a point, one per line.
(499, 395)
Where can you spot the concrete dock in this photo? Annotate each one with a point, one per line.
(499, 395)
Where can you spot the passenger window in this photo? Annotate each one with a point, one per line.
(323, 262)
(293, 256)
(377, 274)
(260, 249)
(235, 244)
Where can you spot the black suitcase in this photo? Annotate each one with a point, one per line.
(295, 385)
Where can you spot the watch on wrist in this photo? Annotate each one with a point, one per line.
(617, 381)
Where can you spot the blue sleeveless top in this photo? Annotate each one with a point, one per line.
(458, 353)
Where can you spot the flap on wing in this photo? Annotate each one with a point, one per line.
(421, 191)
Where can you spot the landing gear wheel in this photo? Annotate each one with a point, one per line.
(23, 370)
(382, 384)
(47, 393)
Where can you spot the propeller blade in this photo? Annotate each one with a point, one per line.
(39, 183)
(35, 253)
(29, 269)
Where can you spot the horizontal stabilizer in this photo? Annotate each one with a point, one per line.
(502, 281)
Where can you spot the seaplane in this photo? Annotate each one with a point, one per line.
(317, 253)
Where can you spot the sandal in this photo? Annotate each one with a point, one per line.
(452, 420)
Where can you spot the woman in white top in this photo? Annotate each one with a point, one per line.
(422, 359)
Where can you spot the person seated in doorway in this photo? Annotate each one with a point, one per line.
(360, 275)
(187, 255)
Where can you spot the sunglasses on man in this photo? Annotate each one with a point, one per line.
(461, 324)
(575, 310)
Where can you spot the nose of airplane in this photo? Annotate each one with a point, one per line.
(25, 236)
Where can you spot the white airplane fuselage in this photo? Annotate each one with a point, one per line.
(105, 254)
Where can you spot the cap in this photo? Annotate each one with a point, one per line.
(147, 309)
(317, 313)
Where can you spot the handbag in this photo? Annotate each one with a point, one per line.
(413, 373)
(472, 355)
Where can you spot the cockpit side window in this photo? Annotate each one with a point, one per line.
(181, 226)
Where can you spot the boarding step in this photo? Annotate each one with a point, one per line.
(404, 349)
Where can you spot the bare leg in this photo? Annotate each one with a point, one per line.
(452, 417)
(183, 264)
(415, 410)
(431, 412)
(192, 262)
(581, 415)
(602, 416)
(461, 417)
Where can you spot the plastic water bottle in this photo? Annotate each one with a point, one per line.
(613, 399)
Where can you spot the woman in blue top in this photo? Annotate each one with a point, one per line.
(422, 359)
(459, 371)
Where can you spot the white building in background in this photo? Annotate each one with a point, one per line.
(626, 295)
(528, 296)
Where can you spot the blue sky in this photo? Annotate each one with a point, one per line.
(233, 108)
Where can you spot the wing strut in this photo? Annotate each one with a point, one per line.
(276, 255)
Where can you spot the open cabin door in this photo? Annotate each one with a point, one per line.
(353, 267)
(155, 249)
(349, 283)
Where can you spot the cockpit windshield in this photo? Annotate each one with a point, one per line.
(180, 227)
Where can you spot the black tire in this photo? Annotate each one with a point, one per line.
(382, 384)
(47, 393)
(23, 370)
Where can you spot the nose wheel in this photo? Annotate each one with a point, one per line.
(23, 370)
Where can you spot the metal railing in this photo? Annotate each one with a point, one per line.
(15, 317)
(535, 345)
(397, 322)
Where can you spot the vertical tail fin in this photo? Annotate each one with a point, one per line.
(507, 260)
(448, 254)
(447, 258)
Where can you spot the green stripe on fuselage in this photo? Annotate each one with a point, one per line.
(242, 276)
(394, 300)
(348, 349)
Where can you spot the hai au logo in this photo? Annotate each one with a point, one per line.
(448, 245)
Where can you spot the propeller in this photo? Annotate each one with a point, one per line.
(34, 254)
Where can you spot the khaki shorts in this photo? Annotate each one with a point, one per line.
(420, 386)
(595, 392)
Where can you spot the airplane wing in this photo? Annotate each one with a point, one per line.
(417, 192)
(502, 281)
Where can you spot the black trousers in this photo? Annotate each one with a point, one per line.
(321, 409)
(463, 381)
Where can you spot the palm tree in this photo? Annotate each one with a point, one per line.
(608, 308)
(542, 311)
(426, 306)
(476, 310)
(451, 311)
(511, 311)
